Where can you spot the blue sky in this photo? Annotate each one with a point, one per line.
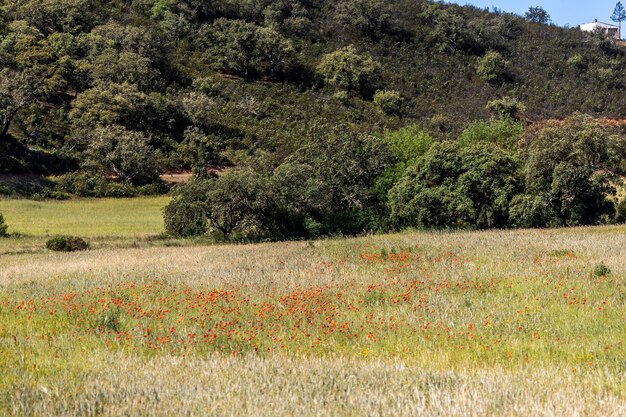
(562, 12)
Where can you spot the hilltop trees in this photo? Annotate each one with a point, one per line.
(619, 15)
(537, 15)
(371, 17)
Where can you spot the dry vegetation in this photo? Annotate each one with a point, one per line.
(491, 323)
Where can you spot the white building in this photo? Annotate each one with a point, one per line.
(612, 31)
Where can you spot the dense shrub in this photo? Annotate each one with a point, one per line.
(570, 167)
(88, 185)
(371, 17)
(493, 68)
(348, 70)
(451, 186)
(127, 155)
(3, 227)
(67, 244)
(389, 101)
(502, 132)
(323, 188)
(185, 215)
(247, 49)
(507, 108)
(601, 270)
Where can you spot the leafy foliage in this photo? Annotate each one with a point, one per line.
(537, 15)
(3, 227)
(347, 70)
(127, 155)
(452, 186)
(67, 244)
(493, 67)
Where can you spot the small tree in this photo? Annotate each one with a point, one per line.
(114, 150)
(247, 49)
(537, 15)
(347, 70)
(18, 90)
(493, 67)
(619, 15)
(507, 108)
(389, 101)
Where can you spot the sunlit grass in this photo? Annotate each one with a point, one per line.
(85, 217)
(506, 322)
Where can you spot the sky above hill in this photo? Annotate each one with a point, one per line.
(563, 12)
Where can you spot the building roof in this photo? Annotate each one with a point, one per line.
(601, 24)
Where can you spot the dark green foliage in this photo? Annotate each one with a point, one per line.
(371, 17)
(246, 49)
(329, 182)
(451, 186)
(185, 215)
(537, 15)
(3, 227)
(67, 244)
(323, 188)
(87, 185)
(601, 270)
(569, 170)
(229, 204)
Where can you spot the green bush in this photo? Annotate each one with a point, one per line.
(389, 101)
(502, 132)
(507, 108)
(87, 185)
(451, 186)
(67, 244)
(3, 227)
(493, 68)
(346, 69)
(601, 270)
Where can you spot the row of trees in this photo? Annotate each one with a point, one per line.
(496, 174)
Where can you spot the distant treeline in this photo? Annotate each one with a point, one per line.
(495, 175)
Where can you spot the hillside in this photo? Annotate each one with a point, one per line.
(249, 76)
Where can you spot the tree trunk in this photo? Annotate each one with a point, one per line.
(6, 124)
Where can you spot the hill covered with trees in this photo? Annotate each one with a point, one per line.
(339, 116)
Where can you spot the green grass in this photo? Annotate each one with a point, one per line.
(412, 318)
(85, 217)
(469, 323)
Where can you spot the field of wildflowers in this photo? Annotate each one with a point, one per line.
(482, 323)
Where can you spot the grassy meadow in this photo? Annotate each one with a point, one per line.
(86, 217)
(467, 323)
